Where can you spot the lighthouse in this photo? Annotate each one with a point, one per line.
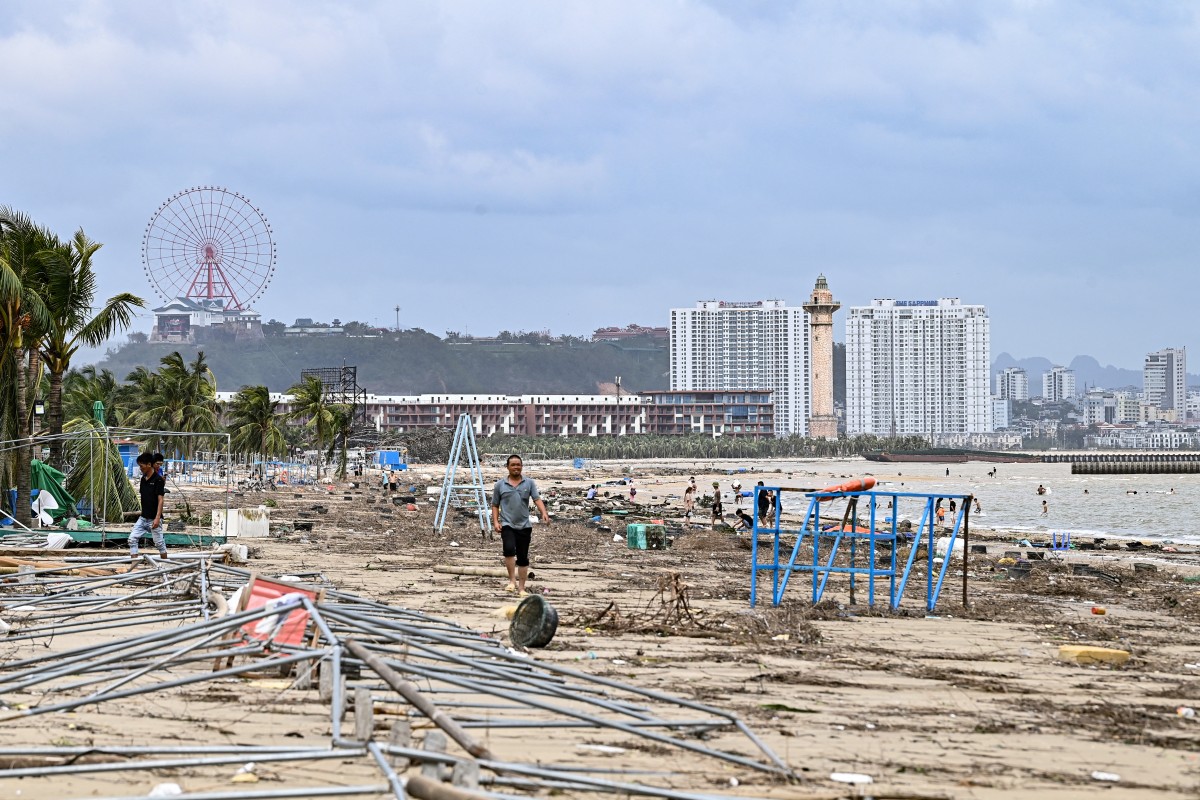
(822, 424)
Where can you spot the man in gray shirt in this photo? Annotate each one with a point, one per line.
(510, 518)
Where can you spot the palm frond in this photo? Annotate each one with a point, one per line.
(98, 473)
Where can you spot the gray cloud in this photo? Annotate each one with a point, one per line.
(570, 165)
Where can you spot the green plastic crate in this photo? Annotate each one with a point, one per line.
(635, 536)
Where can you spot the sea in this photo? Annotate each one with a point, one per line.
(1161, 508)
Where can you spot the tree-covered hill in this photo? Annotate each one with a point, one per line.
(416, 362)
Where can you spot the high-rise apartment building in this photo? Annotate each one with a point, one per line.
(1164, 379)
(1058, 385)
(763, 344)
(1012, 384)
(1001, 413)
(918, 367)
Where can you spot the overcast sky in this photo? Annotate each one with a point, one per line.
(560, 165)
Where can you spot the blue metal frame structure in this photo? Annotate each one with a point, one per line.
(877, 529)
(458, 494)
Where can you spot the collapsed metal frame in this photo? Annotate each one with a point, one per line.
(458, 494)
(847, 531)
(451, 678)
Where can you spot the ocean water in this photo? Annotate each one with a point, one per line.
(1118, 506)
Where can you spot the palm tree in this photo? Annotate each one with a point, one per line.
(83, 387)
(254, 423)
(341, 428)
(23, 318)
(180, 397)
(310, 406)
(69, 288)
(97, 471)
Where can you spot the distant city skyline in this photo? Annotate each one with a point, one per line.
(545, 165)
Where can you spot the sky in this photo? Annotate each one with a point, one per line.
(561, 165)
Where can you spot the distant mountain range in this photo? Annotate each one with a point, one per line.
(1088, 372)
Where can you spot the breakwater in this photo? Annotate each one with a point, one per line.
(1085, 457)
(1115, 467)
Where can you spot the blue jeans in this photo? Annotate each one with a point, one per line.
(140, 529)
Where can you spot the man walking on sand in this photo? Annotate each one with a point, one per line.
(765, 502)
(510, 518)
(153, 490)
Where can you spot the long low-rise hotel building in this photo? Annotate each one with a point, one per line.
(714, 413)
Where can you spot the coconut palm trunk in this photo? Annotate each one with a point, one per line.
(23, 512)
(54, 418)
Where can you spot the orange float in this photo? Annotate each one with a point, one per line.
(856, 485)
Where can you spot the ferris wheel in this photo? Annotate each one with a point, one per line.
(209, 244)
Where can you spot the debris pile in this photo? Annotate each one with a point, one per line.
(209, 647)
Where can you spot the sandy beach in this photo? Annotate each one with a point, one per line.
(964, 702)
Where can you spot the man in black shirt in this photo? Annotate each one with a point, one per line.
(765, 501)
(152, 490)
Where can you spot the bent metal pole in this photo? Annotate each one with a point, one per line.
(412, 694)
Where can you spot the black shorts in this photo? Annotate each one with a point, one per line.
(516, 543)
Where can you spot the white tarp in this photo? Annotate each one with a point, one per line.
(43, 504)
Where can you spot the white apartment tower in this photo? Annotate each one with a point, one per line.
(750, 345)
(1164, 378)
(1012, 384)
(1058, 385)
(918, 367)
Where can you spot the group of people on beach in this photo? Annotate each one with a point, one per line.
(744, 521)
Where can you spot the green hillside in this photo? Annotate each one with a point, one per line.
(416, 362)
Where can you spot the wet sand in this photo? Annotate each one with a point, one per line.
(962, 703)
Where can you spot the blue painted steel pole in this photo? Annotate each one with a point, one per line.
(777, 590)
(893, 600)
(754, 554)
(929, 559)
(871, 558)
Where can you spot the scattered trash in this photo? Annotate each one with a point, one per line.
(606, 749)
(1099, 610)
(166, 790)
(533, 623)
(1083, 654)
(1186, 712)
(234, 553)
(245, 774)
(850, 777)
(1111, 777)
